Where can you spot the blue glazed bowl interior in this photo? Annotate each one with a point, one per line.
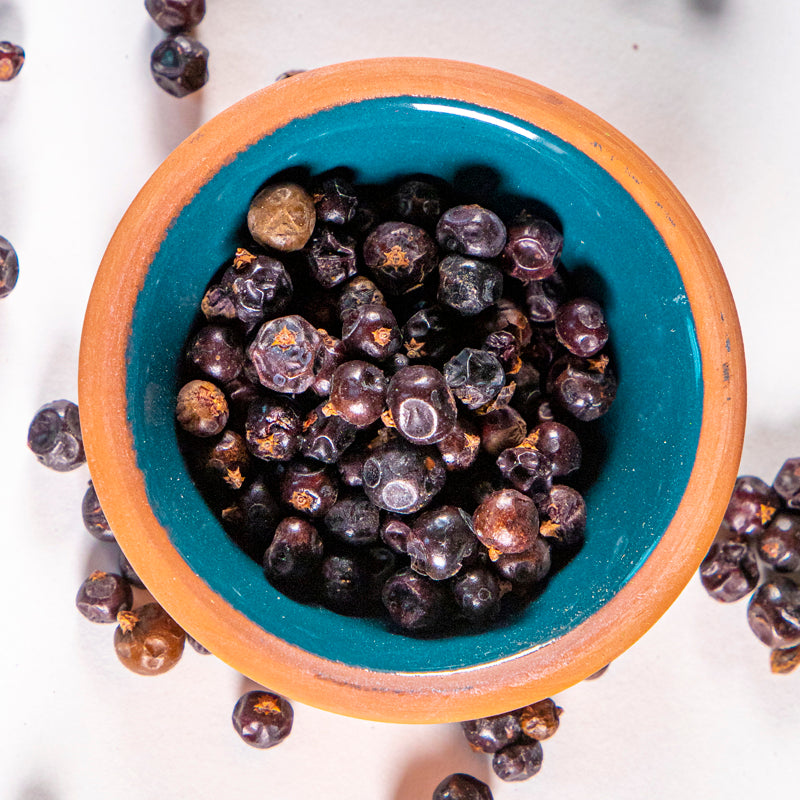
(650, 436)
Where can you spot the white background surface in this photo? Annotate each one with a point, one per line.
(706, 87)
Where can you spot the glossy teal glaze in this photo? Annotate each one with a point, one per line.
(646, 443)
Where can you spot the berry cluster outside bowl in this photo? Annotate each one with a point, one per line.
(671, 441)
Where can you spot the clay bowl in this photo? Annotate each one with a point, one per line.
(671, 441)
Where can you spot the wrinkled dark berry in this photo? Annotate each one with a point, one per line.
(400, 256)
(9, 263)
(475, 377)
(326, 436)
(587, 389)
(774, 612)
(179, 65)
(527, 568)
(176, 16)
(217, 351)
(518, 762)
(335, 199)
(282, 216)
(401, 478)
(229, 460)
(752, 505)
(330, 355)
(422, 407)
(505, 315)
(532, 249)
(471, 231)
(147, 640)
(784, 660)
(103, 595)
(358, 392)
(526, 469)
(787, 483)
(201, 408)
(12, 57)
(439, 542)
(505, 346)
(460, 447)
(729, 570)
(94, 520)
(262, 719)
(344, 584)
(543, 297)
(477, 594)
(284, 353)
(360, 291)
(460, 786)
(54, 436)
(417, 201)
(427, 334)
(354, 519)
(564, 512)
(779, 544)
(559, 443)
(540, 720)
(500, 429)
(468, 285)
(351, 465)
(371, 331)
(491, 734)
(309, 487)
(507, 522)
(581, 326)
(294, 553)
(251, 519)
(331, 256)
(415, 602)
(394, 533)
(273, 429)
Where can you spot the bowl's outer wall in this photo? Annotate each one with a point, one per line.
(665, 354)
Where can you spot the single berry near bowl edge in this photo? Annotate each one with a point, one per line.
(376, 402)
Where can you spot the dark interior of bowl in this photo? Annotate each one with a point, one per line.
(650, 435)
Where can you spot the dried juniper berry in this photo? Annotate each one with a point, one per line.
(505, 346)
(414, 602)
(752, 505)
(358, 392)
(179, 65)
(147, 640)
(401, 478)
(251, 519)
(468, 285)
(787, 483)
(505, 315)
(543, 297)
(528, 392)
(12, 57)
(417, 201)
(519, 761)
(335, 199)
(293, 555)
(729, 570)
(422, 407)
(502, 428)
(532, 249)
(563, 513)
(351, 465)
(477, 594)
(330, 355)
(460, 447)
(282, 216)
(326, 436)
(9, 266)
(330, 256)
(400, 256)
(559, 443)
(309, 487)
(784, 660)
(103, 595)
(353, 519)
(228, 459)
(527, 568)
(471, 230)
(273, 429)
(460, 786)
(371, 331)
(176, 16)
(54, 436)
(526, 469)
(284, 353)
(202, 408)
(779, 544)
(344, 584)
(491, 734)
(94, 519)
(218, 352)
(774, 612)
(581, 327)
(262, 719)
(428, 334)
(540, 720)
(475, 377)
(394, 533)
(586, 388)
(507, 522)
(440, 541)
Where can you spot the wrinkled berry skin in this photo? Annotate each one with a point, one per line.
(427, 334)
(532, 250)
(309, 487)
(176, 16)
(358, 392)
(359, 291)
(147, 640)
(272, 429)
(468, 285)
(527, 568)
(774, 613)
(540, 720)
(417, 201)
(294, 553)
(460, 786)
(564, 513)
(779, 544)
(179, 65)
(581, 327)
(477, 594)
(786, 483)
(217, 351)
(331, 257)
(559, 443)
(262, 719)
(371, 331)
(12, 57)
(102, 596)
(471, 231)
(325, 438)
(518, 762)
(475, 377)
(526, 469)
(54, 436)
(354, 520)
(439, 542)
(335, 200)
(543, 297)
(415, 602)
(729, 571)
(282, 216)
(490, 734)
(584, 390)
(344, 584)
(421, 404)
(752, 505)
(399, 255)
(201, 408)
(284, 353)
(9, 267)
(507, 522)
(94, 520)
(401, 478)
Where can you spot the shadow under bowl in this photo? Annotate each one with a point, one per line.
(671, 441)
